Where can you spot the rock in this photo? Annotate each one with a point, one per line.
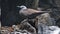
(43, 29)
(10, 29)
(45, 19)
(26, 26)
(42, 23)
(54, 29)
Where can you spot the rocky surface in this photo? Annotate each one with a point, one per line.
(40, 24)
(24, 26)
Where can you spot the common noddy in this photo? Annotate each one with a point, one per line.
(27, 11)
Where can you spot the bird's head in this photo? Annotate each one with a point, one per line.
(22, 7)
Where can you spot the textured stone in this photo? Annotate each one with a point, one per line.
(45, 19)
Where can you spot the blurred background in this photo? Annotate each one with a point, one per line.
(10, 13)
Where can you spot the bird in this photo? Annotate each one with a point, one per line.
(28, 11)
